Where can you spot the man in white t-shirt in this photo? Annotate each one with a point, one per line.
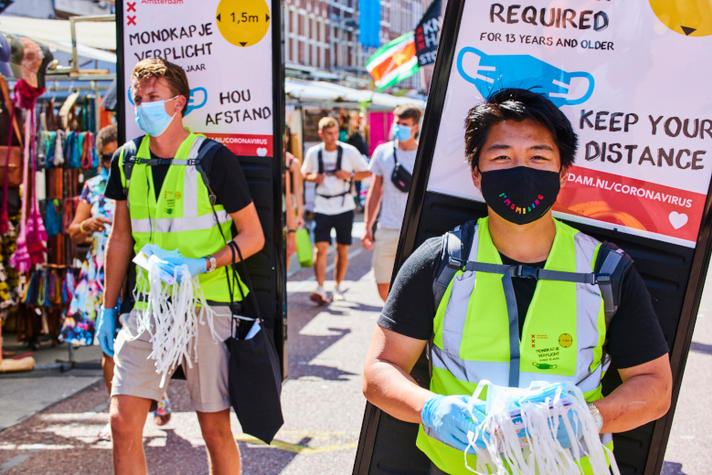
(333, 166)
(384, 192)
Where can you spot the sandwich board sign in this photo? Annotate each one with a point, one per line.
(231, 53)
(628, 76)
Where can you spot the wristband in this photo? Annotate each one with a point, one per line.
(212, 263)
(597, 417)
(291, 230)
(81, 227)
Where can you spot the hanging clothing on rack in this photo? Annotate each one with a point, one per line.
(59, 148)
(31, 243)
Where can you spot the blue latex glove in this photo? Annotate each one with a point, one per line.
(549, 392)
(195, 266)
(106, 329)
(562, 434)
(450, 419)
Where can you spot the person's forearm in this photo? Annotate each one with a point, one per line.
(361, 175)
(299, 194)
(373, 199)
(75, 232)
(117, 257)
(637, 401)
(289, 218)
(391, 389)
(250, 242)
(311, 177)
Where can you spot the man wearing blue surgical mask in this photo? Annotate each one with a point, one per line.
(390, 163)
(186, 214)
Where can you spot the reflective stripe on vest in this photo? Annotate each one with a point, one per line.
(181, 217)
(472, 331)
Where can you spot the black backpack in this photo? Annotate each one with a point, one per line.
(339, 158)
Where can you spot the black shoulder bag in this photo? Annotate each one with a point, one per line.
(254, 377)
(400, 177)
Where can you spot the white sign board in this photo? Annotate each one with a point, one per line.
(633, 77)
(225, 47)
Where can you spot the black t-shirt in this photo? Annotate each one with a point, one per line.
(634, 334)
(224, 172)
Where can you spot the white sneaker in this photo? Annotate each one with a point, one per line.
(105, 432)
(338, 295)
(319, 296)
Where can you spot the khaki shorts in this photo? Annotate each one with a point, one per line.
(135, 373)
(384, 254)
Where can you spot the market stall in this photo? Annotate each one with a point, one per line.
(48, 120)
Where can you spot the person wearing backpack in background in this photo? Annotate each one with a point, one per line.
(516, 297)
(333, 166)
(391, 173)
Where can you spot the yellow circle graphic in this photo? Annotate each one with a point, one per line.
(243, 22)
(565, 340)
(688, 17)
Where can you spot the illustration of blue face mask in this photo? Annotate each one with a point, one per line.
(401, 132)
(198, 98)
(493, 72)
(152, 118)
(194, 102)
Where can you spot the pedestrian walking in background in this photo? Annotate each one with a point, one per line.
(387, 191)
(92, 222)
(333, 166)
(356, 139)
(293, 200)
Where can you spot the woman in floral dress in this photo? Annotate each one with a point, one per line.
(92, 221)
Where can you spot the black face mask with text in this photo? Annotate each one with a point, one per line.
(520, 194)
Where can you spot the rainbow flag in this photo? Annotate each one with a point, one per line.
(393, 62)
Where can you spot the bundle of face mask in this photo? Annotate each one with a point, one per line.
(173, 307)
(523, 430)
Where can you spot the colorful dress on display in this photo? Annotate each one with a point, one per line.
(88, 296)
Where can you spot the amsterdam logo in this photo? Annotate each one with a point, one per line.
(521, 209)
(565, 340)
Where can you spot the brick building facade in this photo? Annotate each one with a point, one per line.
(322, 36)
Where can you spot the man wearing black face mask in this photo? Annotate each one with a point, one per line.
(522, 306)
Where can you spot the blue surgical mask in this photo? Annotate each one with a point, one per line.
(401, 132)
(152, 117)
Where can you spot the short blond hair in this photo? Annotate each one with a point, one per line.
(327, 123)
(160, 68)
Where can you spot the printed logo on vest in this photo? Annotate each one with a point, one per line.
(545, 365)
(171, 197)
(565, 340)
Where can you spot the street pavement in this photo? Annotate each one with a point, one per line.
(322, 400)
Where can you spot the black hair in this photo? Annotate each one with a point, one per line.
(517, 105)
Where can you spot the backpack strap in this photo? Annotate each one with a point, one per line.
(609, 277)
(455, 251)
(204, 156)
(339, 156)
(320, 158)
(129, 153)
